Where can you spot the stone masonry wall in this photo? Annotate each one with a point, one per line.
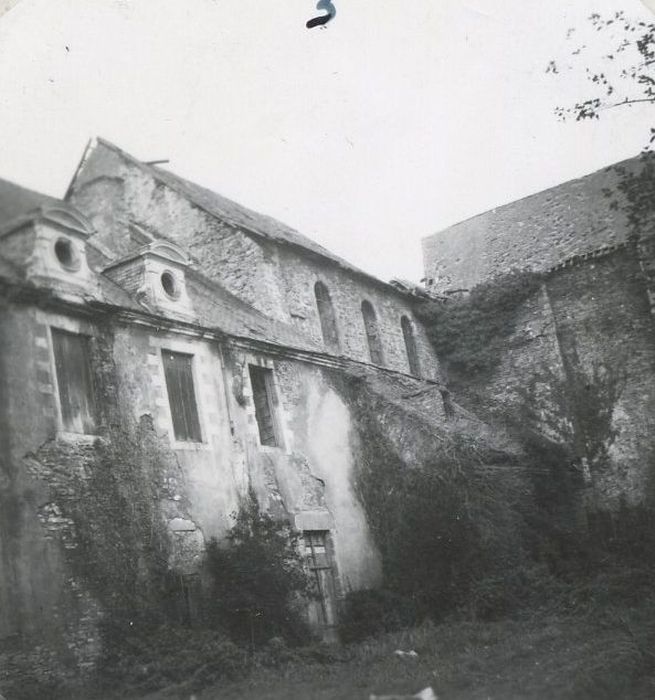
(224, 253)
(277, 280)
(299, 274)
(604, 322)
(536, 232)
(47, 619)
(588, 333)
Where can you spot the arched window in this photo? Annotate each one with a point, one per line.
(410, 346)
(326, 316)
(372, 333)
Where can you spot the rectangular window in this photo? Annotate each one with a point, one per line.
(178, 370)
(75, 382)
(263, 393)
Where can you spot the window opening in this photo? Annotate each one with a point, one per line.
(410, 346)
(326, 316)
(67, 255)
(372, 333)
(75, 382)
(178, 370)
(169, 284)
(263, 394)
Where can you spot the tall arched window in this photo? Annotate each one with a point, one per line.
(372, 333)
(326, 316)
(410, 346)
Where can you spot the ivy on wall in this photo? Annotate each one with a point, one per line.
(470, 332)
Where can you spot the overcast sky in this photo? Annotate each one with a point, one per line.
(395, 120)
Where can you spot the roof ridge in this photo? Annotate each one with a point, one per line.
(286, 233)
(566, 183)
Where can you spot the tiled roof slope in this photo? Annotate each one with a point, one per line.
(16, 201)
(216, 308)
(239, 216)
(538, 232)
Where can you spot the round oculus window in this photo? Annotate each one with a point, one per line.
(67, 254)
(169, 284)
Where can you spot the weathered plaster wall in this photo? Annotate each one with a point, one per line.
(536, 232)
(47, 621)
(65, 497)
(310, 477)
(212, 476)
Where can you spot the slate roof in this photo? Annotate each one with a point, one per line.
(241, 217)
(16, 201)
(215, 307)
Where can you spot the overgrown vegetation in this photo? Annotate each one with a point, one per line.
(618, 64)
(469, 332)
(575, 409)
(470, 534)
(441, 522)
(602, 653)
(255, 585)
(259, 583)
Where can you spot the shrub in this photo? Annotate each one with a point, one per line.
(258, 580)
(154, 657)
(369, 613)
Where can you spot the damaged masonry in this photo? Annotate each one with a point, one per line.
(165, 353)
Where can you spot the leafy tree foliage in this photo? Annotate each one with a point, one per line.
(625, 73)
(258, 579)
(621, 73)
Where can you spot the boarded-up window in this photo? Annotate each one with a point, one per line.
(264, 398)
(326, 316)
(322, 610)
(410, 346)
(178, 369)
(76, 391)
(372, 333)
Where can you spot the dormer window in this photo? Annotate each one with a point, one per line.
(155, 275)
(49, 243)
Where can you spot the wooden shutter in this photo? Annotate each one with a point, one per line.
(75, 382)
(263, 396)
(178, 370)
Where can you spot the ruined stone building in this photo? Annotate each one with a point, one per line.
(164, 352)
(584, 345)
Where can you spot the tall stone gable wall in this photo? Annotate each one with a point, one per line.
(536, 232)
(591, 322)
(274, 278)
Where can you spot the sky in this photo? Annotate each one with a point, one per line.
(395, 120)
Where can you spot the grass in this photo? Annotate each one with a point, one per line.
(596, 654)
